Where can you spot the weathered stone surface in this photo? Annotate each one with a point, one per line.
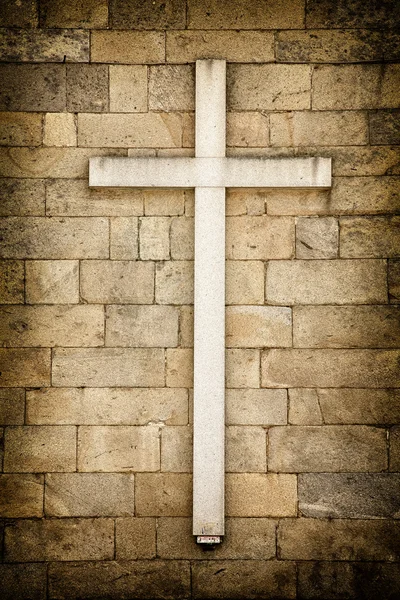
(52, 326)
(259, 237)
(154, 238)
(261, 495)
(258, 327)
(394, 281)
(20, 129)
(135, 538)
(242, 368)
(19, 15)
(36, 45)
(338, 539)
(103, 367)
(317, 238)
(89, 495)
(117, 282)
(164, 203)
(329, 448)
(118, 448)
(244, 129)
(304, 407)
(40, 449)
(182, 238)
(127, 47)
(354, 496)
(124, 238)
(233, 46)
(394, 461)
(186, 324)
(60, 539)
(164, 494)
(52, 281)
(61, 13)
(245, 202)
(11, 282)
(174, 282)
(360, 406)
(346, 327)
(139, 326)
(256, 407)
(244, 282)
(12, 406)
(370, 237)
(326, 282)
(128, 14)
(176, 449)
(32, 88)
(384, 127)
(107, 406)
(87, 88)
(179, 367)
(128, 88)
(23, 581)
(59, 129)
(21, 495)
(351, 14)
(364, 160)
(246, 450)
(171, 87)
(22, 197)
(22, 367)
(330, 368)
(269, 87)
(365, 195)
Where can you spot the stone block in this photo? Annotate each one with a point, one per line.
(154, 235)
(60, 539)
(298, 202)
(186, 324)
(269, 87)
(364, 406)
(59, 129)
(350, 14)
(256, 407)
(36, 45)
(117, 282)
(394, 281)
(258, 327)
(12, 406)
(104, 367)
(338, 539)
(46, 326)
(52, 281)
(259, 238)
(261, 495)
(326, 282)
(304, 407)
(89, 495)
(352, 87)
(329, 448)
(21, 495)
(128, 88)
(247, 129)
(118, 448)
(330, 368)
(370, 237)
(39, 449)
(242, 368)
(20, 129)
(182, 238)
(176, 449)
(32, 88)
(163, 494)
(171, 88)
(364, 161)
(164, 203)
(135, 538)
(11, 282)
(384, 127)
(174, 282)
(23, 580)
(107, 406)
(351, 496)
(244, 282)
(246, 450)
(128, 47)
(124, 238)
(317, 238)
(25, 367)
(233, 46)
(346, 327)
(91, 14)
(22, 197)
(394, 449)
(179, 367)
(54, 238)
(245, 202)
(87, 88)
(128, 14)
(15, 15)
(365, 195)
(139, 326)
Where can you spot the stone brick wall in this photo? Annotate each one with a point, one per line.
(97, 288)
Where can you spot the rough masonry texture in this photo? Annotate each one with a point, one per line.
(96, 288)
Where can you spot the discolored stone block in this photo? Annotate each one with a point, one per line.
(128, 88)
(135, 538)
(19, 15)
(351, 14)
(59, 129)
(259, 238)
(244, 282)
(11, 282)
(256, 407)
(258, 327)
(128, 47)
(23, 581)
(32, 88)
(370, 237)
(365, 195)
(25, 367)
(12, 406)
(139, 326)
(174, 282)
(394, 281)
(163, 494)
(21, 495)
(176, 449)
(52, 282)
(128, 14)
(87, 88)
(384, 127)
(22, 197)
(317, 238)
(90, 14)
(261, 495)
(36, 45)
(367, 406)
(394, 460)
(246, 449)
(117, 282)
(20, 129)
(171, 88)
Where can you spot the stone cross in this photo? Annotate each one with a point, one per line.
(210, 173)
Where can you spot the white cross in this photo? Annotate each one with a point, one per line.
(210, 172)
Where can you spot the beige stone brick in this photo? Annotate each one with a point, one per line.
(142, 326)
(124, 238)
(298, 202)
(60, 13)
(367, 406)
(186, 324)
(245, 202)
(338, 539)
(246, 449)
(23, 580)
(163, 494)
(256, 407)
(154, 238)
(236, 15)
(12, 406)
(14, 15)
(233, 46)
(346, 327)
(39, 449)
(32, 87)
(370, 237)
(176, 449)
(164, 203)
(103, 367)
(261, 495)
(22, 367)
(341, 87)
(326, 282)
(329, 368)
(36, 45)
(59, 129)
(174, 282)
(258, 326)
(21, 495)
(60, 539)
(20, 129)
(364, 161)
(182, 238)
(117, 282)
(87, 88)
(394, 281)
(269, 87)
(384, 127)
(242, 368)
(52, 326)
(244, 282)
(365, 195)
(135, 538)
(54, 238)
(244, 129)
(317, 238)
(129, 47)
(350, 14)
(52, 282)
(89, 495)
(179, 367)
(171, 87)
(329, 448)
(394, 464)
(304, 407)
(22, 197)
(11, 282)
(259, 237)
(128, 14)
(118, 448)
(107, 406)
(128, 88)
